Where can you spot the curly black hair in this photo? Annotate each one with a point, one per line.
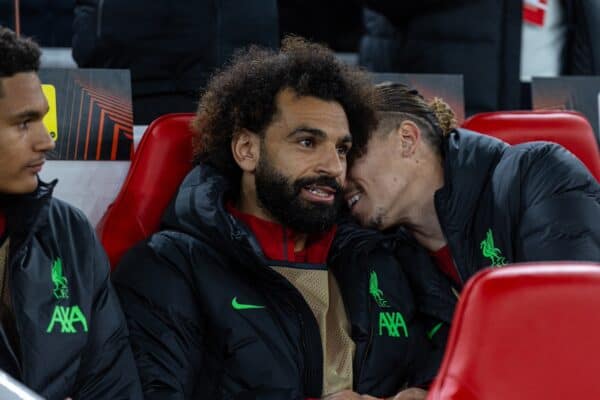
(243, 96)
(18, 54)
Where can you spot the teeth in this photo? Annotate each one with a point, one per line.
(318, 192)
(353, 200)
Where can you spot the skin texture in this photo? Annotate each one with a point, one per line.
(396, 180)
(307, 138)
(24, 141)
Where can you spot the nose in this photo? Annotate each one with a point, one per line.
(43, 142)
(331, 163)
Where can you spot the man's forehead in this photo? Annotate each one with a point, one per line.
(294, 109)
(21, 93)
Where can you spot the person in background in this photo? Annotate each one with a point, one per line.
(170, 47)
(495, 44)
(48, 22)
(62, 331)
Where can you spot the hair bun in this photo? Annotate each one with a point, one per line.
(444, 115)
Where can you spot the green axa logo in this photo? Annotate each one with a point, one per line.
(491, 252)
(61, 288)
(391, 322)
(376, 292)
(69, 318)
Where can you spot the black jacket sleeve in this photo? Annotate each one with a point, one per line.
(85, 32)
(107, 369)
(164, 323)
(560, 216)
(397, 11)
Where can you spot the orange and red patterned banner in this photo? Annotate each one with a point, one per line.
(90, 115)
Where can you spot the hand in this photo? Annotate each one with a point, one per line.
(410, 394)
(350, 395)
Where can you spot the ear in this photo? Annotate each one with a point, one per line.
(410, 136)
(245, 147)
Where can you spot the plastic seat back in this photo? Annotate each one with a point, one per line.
(162, 160)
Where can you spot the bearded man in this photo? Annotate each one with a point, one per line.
(245, 294)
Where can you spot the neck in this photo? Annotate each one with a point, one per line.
(426, 228)
(422, 220)
(248, 204)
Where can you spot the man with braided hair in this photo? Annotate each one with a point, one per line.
(62, 331)
(470, 200)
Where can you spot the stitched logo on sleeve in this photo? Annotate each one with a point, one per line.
(68, 317)
(491, 252)
(376, 292)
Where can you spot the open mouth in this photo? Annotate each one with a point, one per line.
(353, 197)
(353, 200)
(320, 193)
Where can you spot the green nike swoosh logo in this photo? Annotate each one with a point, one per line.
(239, 306)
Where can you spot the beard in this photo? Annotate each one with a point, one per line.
(281, 198)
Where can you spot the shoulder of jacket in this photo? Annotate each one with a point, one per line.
(542, 156)
(66, 218)
(542, 169)
(180, 248)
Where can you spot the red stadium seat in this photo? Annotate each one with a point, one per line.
(162, 160)
(569, 129)
(525, 332)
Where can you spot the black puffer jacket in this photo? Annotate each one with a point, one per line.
(49, 22)
(178, 290)
(480, 39)
(72, 336)
(504, 204)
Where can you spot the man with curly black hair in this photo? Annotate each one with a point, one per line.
(62, 331)
(251, 291)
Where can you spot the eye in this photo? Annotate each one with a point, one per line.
(307, 142)
(24, 125)
(343, 150)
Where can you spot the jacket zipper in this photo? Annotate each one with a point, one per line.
(313, 373)
(308, 372)
(312, 379)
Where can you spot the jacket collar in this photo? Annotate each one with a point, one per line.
(469, 160)
(277, 241)
(199, 210)
(26, 215)
(24, 212)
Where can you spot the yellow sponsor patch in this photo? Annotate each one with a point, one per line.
(51, 119)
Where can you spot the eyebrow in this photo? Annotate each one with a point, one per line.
(318, 133)
(29, 114)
